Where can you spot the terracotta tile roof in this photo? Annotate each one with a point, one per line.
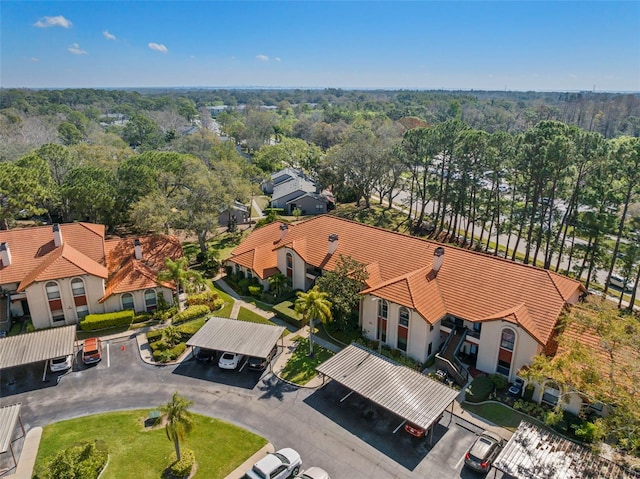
(473, 286)
(127, 274)
(63, 262)
(517, 315)
(29, 247)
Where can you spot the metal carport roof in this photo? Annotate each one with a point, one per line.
(38, 346)
(242, 337)
(8, 419)
(399, 389)
(535, 453)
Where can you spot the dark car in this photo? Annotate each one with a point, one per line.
(483, 451)
(260, 364)
(205, 355)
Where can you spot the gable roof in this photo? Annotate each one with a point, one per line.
(30, 247)
(127, 274)
(470, 285)
(295, 184)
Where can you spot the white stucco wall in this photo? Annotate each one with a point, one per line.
(299, 268)
(524, 349)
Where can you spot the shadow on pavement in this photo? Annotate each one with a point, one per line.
(273, 387)
(20, 379)
(211, 372)
(372, 424)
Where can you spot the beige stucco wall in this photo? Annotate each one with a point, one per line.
(299, 268)
(524, 349)
(114, 302)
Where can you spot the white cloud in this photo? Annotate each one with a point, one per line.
(58, 21)
(159, 47)
(108, 36)
(76, 50)
(276, 59)
(262, 58)
(34, 59)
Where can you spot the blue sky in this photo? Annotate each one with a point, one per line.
(514, 45)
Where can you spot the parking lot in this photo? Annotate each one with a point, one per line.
(350, 439)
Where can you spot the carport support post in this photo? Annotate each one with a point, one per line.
(44, 373)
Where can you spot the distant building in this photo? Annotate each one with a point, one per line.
(237, 212)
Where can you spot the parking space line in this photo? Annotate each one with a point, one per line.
(401, 424)
(460, 461)
(108, 356)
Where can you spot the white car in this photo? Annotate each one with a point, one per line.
(230, 360)
(60, 364)
(277, 465)
(619, 283)
(313, 473)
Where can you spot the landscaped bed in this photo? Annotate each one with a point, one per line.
(301, 368)
(136, 452)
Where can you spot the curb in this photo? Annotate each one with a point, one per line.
(27, 459)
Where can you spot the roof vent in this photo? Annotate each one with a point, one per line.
(438, 258)
(283, 230)
(137, 248)
(5, 254)
(57, 235)
(333, 243)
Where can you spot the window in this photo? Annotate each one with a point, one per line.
(150, 300)
(503, 367)
(53, 292)
(320, 207)
(508, 339)
(551, 395)
(289, 265)
(127, 301)
(403, 328)
(429, 349)
(77, 286)
(383, 314)
(82, 311)
(383, 309)
(477, 327)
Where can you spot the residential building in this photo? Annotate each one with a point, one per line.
(237, 212)
(57, 275)
(473, 311)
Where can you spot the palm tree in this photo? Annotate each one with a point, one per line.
(313, 305)
(278, 282)
(178, 419)
(179, 273)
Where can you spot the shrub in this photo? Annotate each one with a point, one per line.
(95, 322)
(154, 335)
(84, 460)
(479, 389)
(590, 431)
(160, 345)
(192, 312)
(142, 317)
(499, 381)
(165, 314)
(209, 298)
(182, 468)
(177, 350)
(286, 312)
(243, 286)
(256, 291)
(528, 392)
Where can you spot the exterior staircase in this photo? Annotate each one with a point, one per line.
(447, 359)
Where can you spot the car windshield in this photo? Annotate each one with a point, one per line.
(59, 360)
(228, 356)
(258, 472)
(281, 457)
(91, 352)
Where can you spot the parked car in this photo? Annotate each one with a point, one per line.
(60, 364)
(91, 351)
(483, 451)
(277, 465)
(619, 283)
(230, 360)
(313, 473)
(260, 364)
(414, 429)
(205, 355)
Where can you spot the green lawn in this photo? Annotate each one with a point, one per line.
(228, 301)
(301, 368)
(498, 414)
(137, 453)
(247, 315)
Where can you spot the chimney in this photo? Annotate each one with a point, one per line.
(57, 235)
(137, 248)
(283, 231)
(5, 254)
(333, 243)
(438, 258)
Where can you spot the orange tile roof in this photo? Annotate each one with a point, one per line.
(30, 246)
(470, 285)
(127, 274)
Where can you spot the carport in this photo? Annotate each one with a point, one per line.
(9, 417)
(409, 394)
(536, 453)
(38, 346)
(234, 336)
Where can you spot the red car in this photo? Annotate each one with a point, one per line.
(414, 430)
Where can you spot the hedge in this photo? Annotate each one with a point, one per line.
(155, 335)
(256, 291)
(95, 322)
(286, 312)
(479, 389)
(209, 298)
(182, 468)
(164, 355)
(192, 312)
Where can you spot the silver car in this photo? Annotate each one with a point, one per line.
(483, 451)
(277, 465)
(313, 473)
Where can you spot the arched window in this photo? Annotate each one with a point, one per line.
(127, 301)
(150, 300)
(505, 352)
(54, 300)
(77, 286)
(79, 297)
(289, 266)
(383, 315)
(403, 328)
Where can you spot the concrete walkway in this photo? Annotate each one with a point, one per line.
(28, 455)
